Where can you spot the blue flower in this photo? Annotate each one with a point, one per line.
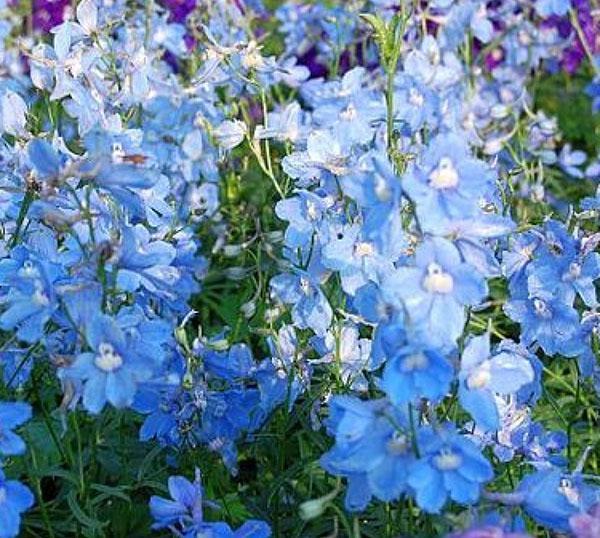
(15, 498)
(565, 281)
(483, 375)
(304, 213)
(31, 298)
(551, 323)
(447, 183)
(413, 372)
(113, 369)
(372, 449)
(184, 512)
(434, 292)
(311, 309)
(551, 497)
(449, 466)
(12, 415)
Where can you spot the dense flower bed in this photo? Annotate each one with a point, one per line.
(331, 265)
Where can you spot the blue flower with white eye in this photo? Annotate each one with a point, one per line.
(414, 103)
(30, 298)
(447, 183)
(310, 307)
(328, 150)
(413, 372)
(551, 323)
(356, 259)
(12, 415)
(565, 281)
(483, 375)
(515, 261)
(551, 496)
(373, 449)
(435, 290)
(374, 186)
(449, 465)
(15, 498)
(304, 212)
(112, 370)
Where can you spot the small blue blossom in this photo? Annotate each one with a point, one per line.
(12, 415)
(184, 512)
(449, 465)
(15, 498)
(435, 290)
(483, 375)
(113, 368)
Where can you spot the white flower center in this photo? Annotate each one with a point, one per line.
(541, 308)
(415, 361)
(570, 492)
(304, 285)
(29, 270)
(437, 281)
(350, 113)
(574, 272)
(480, 377)
(447, 460)
(445, 175)
(107, 359)
(311, 210)
(382, 190)
(398, 444)
(39, 295)
(362, 249)
(415, 97)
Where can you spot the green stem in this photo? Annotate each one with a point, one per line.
(25, 204)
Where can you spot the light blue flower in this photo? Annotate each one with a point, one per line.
(483, 375)
(435, 290)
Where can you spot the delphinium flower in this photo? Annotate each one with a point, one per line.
(449, 466)
(12, 415)
(483, 375)
(551, 496)
(15, 498)
(184, 513)
(555, 270)
(447, 184)
(373, 449)
(413, 371)
(113, 369)
(435, 291)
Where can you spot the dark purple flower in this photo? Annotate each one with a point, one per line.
(48, 13)
(179, 9)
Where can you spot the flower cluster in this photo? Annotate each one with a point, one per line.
(427, 243)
